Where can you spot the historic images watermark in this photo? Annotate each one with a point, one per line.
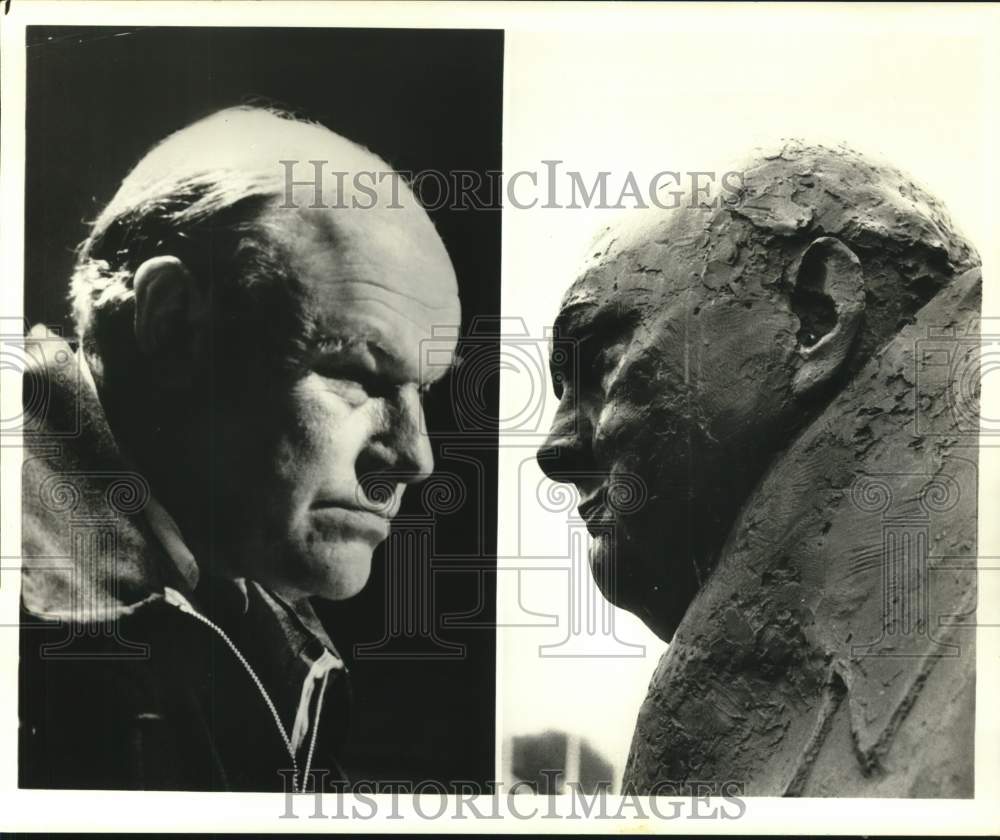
(551, 186)
(466, 800)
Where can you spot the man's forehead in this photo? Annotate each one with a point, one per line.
(379, 281)
(398, 250)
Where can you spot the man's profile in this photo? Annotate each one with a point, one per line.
(234, 436)
(807, 541)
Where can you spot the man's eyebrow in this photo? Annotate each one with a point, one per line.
(398, 369)
(343, 342)
(349, 348)
(352, 348)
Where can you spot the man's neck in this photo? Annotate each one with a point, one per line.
(151, 436)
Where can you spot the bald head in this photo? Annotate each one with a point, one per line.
(221, 194)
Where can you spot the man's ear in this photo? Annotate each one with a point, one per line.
(171, 309)
(829, 301)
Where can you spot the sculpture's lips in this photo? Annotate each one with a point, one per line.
(595, 513)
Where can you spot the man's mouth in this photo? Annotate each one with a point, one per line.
(351, 519)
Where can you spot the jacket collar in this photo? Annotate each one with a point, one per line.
(88, 553)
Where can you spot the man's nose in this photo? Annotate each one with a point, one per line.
(414, 456)
(399, 451)
(565, 455)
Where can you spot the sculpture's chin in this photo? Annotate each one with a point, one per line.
(603, 566)
(628, 580)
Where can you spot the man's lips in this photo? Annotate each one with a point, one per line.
(353, 518)
(386, 506)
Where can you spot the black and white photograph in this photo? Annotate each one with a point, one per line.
(499, 418)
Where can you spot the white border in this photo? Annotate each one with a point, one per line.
(74, 810)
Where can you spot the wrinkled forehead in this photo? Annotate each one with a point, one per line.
(397, 251)
(382, 276)
(635, 268)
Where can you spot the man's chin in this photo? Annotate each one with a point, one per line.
(338, 571)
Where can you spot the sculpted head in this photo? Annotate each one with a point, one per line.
(259, 353)
(705, 338)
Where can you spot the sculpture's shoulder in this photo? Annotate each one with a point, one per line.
(696, 727)
(930, 752)
(651, 758)
(707, 720)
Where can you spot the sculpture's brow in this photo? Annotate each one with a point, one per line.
(586, 321)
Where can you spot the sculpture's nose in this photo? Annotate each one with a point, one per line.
(563, 457)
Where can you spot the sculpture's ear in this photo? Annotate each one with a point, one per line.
(171, 313)
(829, 301)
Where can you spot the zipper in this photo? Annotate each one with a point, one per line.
(175, 599)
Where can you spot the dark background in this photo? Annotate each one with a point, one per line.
(100, 97)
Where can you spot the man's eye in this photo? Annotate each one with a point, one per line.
(354, 383)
